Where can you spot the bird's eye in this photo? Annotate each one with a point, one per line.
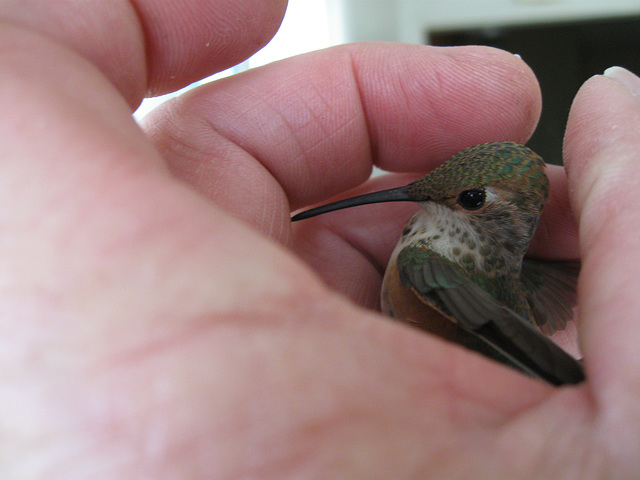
(472, 199)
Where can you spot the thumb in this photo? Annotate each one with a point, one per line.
(601, 154)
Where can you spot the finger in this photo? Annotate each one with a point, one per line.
(316, 123)
(149, 47)
(601, 150)
(187, 41)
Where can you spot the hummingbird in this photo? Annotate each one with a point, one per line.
(459, 269)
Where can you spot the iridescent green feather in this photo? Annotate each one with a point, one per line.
(485, 165)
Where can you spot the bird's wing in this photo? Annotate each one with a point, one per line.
(551, 292)
(442, 284)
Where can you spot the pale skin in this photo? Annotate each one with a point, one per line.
(160, 317)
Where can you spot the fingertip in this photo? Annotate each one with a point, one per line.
(436, 101)
(189, 40)
(627, 79)
(601, 139)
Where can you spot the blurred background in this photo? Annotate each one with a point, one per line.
(564, 41)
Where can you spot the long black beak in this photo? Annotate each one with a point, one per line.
(399, 194)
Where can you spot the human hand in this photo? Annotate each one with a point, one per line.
(149, 332)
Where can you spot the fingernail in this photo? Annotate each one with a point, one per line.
(629, 80)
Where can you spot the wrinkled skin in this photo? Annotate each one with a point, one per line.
(160, 317)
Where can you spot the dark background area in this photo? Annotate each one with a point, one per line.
(563, 56)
